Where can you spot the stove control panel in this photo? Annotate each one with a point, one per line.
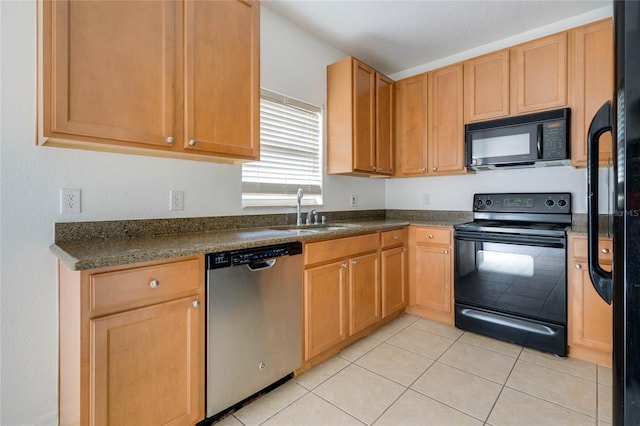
(552, 202)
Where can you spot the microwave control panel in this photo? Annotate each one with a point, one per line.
(554, 140)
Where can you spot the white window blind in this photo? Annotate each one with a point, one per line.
(290, 154)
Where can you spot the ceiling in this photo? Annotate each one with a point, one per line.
(395, 35)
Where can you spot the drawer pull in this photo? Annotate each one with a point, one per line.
(169, 139)
(578, 267)
(154, 283)
(196, 303)
(354, 262)
(430, 235)
(396, 237)
(446, 252)
(604, 251)
(344, 265)
(192, 142)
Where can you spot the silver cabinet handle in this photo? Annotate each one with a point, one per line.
(446, 252)
(435, 169)
(196, 303)
(396, 237)
(192, 142)
(578, 267)
(170, 139)
(354, 262)
(605, 251)
(430, 235)
(424, 169)
(344, 265)
(154, 283)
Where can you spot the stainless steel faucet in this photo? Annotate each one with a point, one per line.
(298, 210)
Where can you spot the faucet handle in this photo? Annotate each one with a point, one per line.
(311, 214)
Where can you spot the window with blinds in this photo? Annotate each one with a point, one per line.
(290, 154)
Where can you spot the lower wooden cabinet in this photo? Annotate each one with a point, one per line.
(590, 319)
(132, 344)
(394, 263)
(431, 279)
(351, 287)
(325, 307)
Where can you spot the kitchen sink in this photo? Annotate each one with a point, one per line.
(312, 229)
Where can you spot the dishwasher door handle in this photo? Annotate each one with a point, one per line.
(261, 265)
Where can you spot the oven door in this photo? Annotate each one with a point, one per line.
(515, 286)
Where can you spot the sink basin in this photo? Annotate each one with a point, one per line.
(311, 229)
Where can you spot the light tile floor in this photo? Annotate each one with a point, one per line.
(413, 371)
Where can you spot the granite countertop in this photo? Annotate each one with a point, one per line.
(89, 245)
(90, 254)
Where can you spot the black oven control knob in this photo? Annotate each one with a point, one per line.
(488, 202)
(479, 202)
(562, 203)
(549, 203)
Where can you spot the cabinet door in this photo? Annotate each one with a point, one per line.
(433, 279)
(108, 71)
(364, 292)
(446, 141)
(147, 365)
(394, 280)
(364, 110)
(486, 82)
(590, 317)
(541, 74)
(384, 124)
(411, 125)
(325, 307)
(592, 80)
(222, 78)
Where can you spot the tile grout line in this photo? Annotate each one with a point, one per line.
(504, 385)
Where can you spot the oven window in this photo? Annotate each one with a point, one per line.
(512, 278)
(504, 263)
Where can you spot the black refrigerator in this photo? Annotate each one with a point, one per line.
(621, 286)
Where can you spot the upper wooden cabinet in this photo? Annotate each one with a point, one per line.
(540, 74)
(156, 78)
(411, 121)
(359, 120)
(222, 77)
(430, 123)
(486, 87)
(591, 71)
(446, 137)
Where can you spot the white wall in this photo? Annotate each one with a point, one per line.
(456, 192)
(113, 187)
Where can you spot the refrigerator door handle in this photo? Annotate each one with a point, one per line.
(601, 123)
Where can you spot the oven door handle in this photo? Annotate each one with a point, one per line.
(528, 240)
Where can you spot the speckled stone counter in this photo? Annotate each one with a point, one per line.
(579, 226)
(89, 245)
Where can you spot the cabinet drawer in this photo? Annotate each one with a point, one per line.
(440, 236)
(324, 251)
(395, 237)
(142, 286)
(580, 248)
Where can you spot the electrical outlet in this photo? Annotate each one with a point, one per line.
(426, 199)
(70, 201)
(176, 200)
(355, 200)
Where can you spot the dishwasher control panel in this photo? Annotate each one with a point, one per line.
(245, 256)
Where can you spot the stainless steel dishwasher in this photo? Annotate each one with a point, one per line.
(254, 321)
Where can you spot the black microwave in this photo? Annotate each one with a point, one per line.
(532, 140)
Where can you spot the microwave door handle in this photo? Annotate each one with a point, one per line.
(539, 141)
